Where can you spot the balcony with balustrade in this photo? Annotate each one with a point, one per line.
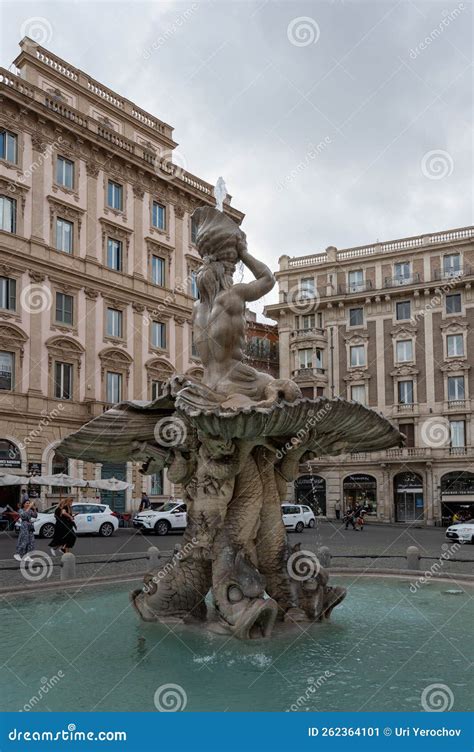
(397, 281)
(457, 405)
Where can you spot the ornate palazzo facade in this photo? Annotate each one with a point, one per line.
(97, 263)
(389, 325)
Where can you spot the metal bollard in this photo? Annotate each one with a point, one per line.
(324, 556)
(413, 557)
(68, 566)
(153, 555)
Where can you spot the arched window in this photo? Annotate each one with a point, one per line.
(9, 454)
(59, 464)
(360, 489)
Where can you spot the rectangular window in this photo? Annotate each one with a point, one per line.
(156, 389)
(452, 265)
(194, 287)
(405, 392)
(8, 293)
(64, 308)
(7, 214)
(358, 394)
(158, 215)
(158, 271)
(455, 345)
(408, 429)
(65, 172)
(307, 289)
(63, 381)
(458, 433)
(114, 254)
(8, 146)
(401, 271)
(7, 362)
(157, 484)
(114, 322)
(356, 316)
(357, 355)
(307, 321)
(403, 310)
(356, 280)
(193, 230)
(158, 334)
(115, 195)
(319, 359)
(64, 235)
(404, 350)
(453, 303)
(305, 358)
(455, 388)
(114, 387)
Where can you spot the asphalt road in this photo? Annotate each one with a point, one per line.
(375, 540)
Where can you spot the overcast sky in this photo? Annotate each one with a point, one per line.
(333, 122)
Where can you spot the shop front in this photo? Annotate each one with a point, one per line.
(360, 490)
(408, 494)
(457, 496)
(10, 463)
(311, 490)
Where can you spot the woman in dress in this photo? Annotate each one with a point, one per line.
(64, 535)
(26, 538)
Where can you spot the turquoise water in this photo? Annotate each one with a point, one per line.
(383, 646)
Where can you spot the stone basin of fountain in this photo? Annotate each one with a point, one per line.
(380, 652)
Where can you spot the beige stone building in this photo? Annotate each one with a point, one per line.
(389, 325)
(97, 263)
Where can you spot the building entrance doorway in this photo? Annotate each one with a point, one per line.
(409, 502)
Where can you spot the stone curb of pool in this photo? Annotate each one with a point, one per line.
(401, 574)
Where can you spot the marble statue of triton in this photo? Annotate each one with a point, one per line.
(232, 441)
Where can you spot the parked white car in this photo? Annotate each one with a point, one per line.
(89, 518)
(171, 516)
(297, 516)
(461, 531)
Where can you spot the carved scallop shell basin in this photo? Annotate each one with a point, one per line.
(386, 644)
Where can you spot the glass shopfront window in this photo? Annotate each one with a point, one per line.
(360, 489)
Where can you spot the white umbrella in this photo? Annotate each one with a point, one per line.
(109, 484)
(61, 480)
(12, 480)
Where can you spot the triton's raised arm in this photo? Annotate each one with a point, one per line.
(264, 279)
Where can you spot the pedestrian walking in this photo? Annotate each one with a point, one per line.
(350, 518)
(26, 538)
(145, 502)
(337, 509)
(64, 528)
(24, 496)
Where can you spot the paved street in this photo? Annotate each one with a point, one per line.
(377, 546)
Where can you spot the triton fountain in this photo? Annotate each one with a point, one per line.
(232, 441)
